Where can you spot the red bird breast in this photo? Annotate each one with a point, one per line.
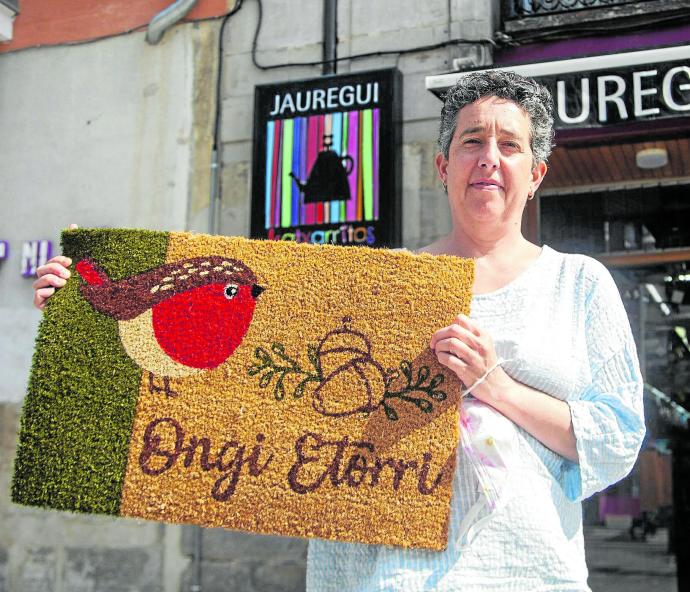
(203, 327)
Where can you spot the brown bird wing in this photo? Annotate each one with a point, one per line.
(131, 296)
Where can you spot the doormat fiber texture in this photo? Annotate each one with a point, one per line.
(264, 386)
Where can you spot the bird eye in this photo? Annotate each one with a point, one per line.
(230, 291)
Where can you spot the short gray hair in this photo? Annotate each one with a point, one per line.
(531, 96)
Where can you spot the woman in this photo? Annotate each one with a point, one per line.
(548, 352)
(565, 408)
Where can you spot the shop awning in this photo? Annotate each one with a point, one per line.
(603, 166)
(439, 83)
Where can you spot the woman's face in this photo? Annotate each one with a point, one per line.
(489, 172)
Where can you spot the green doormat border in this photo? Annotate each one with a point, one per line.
(82, 458)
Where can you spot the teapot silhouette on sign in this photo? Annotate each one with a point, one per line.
(328, 177)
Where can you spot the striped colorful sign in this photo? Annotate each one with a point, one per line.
(292, 146)
(326, 160)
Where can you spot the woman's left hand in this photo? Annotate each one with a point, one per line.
(469, 352)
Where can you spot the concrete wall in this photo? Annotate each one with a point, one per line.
(110, 133)
(117, 133)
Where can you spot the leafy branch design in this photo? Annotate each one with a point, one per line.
(283, 367)
(412, 385)
(419, 389)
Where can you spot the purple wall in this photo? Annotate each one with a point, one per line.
(584, 46)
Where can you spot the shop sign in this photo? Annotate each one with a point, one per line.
(603, 90)
(603, 97)
(34, 254)
(326, 160)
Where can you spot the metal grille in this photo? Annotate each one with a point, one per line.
(524, 8)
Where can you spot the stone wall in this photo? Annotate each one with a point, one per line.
(48, 551)
(247, 563)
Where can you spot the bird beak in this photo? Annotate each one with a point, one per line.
(257, 290)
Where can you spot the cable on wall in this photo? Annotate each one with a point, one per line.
(357, 56)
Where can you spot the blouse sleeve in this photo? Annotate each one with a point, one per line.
(607, 416)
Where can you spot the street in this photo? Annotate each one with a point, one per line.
(618, 564)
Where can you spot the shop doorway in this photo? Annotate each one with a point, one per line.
(642, 235)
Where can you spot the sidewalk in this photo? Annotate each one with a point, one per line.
(618, 564)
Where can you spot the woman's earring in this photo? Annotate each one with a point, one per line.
(445, 186)
(530, 195)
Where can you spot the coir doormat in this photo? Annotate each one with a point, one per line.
(265, 386)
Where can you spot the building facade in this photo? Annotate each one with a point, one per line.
(101, 127)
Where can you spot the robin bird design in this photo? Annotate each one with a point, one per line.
(180, 318)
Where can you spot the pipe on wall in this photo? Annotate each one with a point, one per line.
(330, 36)
(166, 18)
(215, 197)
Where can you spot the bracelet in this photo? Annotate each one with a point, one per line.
(482, 378)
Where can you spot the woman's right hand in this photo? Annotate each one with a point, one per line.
(52, 275)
